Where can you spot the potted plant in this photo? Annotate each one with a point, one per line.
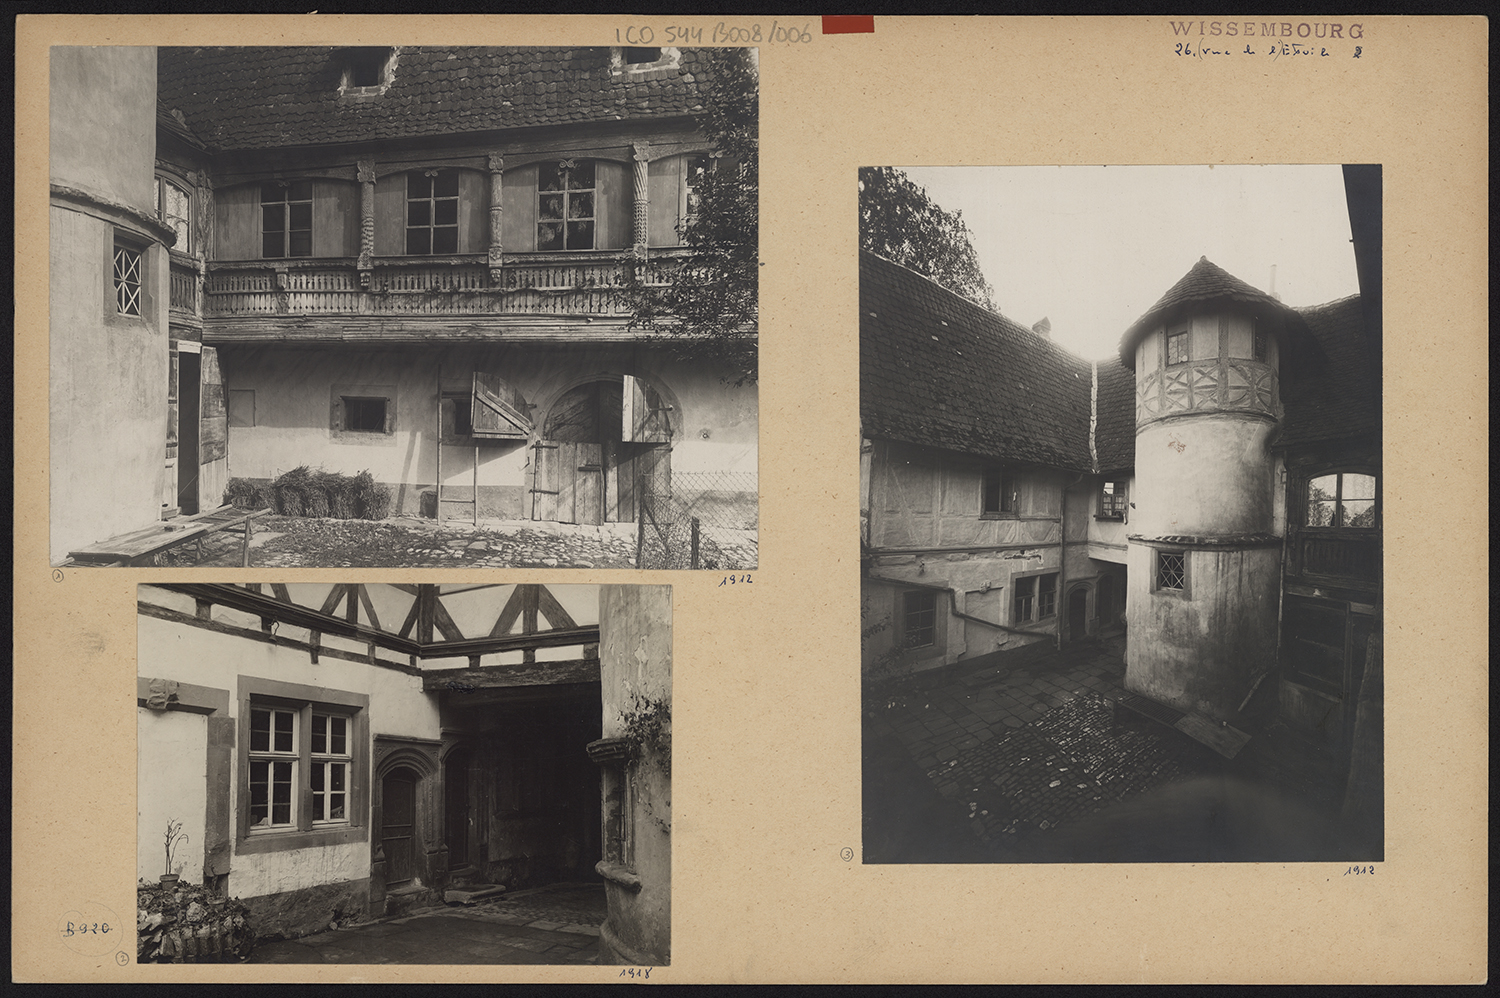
(175, 834)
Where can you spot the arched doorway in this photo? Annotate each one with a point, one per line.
(398, 824)
(600, 444)
(1078, 613)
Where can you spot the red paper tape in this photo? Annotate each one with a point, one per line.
(848, 24)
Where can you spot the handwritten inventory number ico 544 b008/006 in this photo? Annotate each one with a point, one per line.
(722, 33)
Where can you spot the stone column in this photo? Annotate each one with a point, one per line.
(366, 174)
(497, 211)
(642, 155)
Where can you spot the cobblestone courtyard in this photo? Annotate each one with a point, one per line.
(402, 542)
(557, 924)
(1038, 762)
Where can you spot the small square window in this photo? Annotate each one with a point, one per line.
(1113, 500)
(128, 280)
(1001, 493)
(364, 415)
(1177, 348)
(920, 620)
(1171, 571)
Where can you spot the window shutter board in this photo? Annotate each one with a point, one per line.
(499, 411)
(643, 417)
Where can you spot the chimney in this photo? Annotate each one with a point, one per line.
(1043, 328)
(1272, 289)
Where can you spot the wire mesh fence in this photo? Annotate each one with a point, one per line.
(702, 519)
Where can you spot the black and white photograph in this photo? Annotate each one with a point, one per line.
(404, 306)
(1120, 514)
(381, 773)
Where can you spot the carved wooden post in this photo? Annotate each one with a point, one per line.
(366, 173)
(497, 210)
(642, 155)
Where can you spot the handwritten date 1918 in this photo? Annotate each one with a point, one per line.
(640, 973)
(730, 580)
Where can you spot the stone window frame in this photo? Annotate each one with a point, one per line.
(128, 279)
(614, 757)
(1183, 591)
(255, 692)
(1001, 476)
(1033, 614)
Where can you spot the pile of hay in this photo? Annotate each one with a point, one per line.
(304, 491)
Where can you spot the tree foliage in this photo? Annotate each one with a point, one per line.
(898, 221)
(708, 307)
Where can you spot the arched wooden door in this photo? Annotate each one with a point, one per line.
(589, 458)
(398, 813)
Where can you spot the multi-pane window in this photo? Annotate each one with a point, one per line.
(1341, 500)
(1001, 492)
(1177, 348)
(1112, 500)
(273, 767)
(364, 414)
(1260, 344)
(565, 211)
(432, 212)
(286, 219)
(1035, 598)
(330, 767)
(1171, 570)
(172, 208)
(127, 275)
(920, 619)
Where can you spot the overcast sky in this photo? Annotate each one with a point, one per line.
(1091, 248)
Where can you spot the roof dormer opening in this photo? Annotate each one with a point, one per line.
(641, 56)
(366, 67)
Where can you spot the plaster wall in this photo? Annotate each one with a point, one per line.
(1203, 475)
(171, 774)
(921, 498)
(102, 103)
(107, 400)
(1200, 651)
(715, 427)
(635, 653)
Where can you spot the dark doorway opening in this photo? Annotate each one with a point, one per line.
(189, 392)
(398, 812)
(1078, 614)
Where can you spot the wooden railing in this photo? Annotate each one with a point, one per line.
(532, 284)
(182, 287)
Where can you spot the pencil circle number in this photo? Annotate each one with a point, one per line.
(846, 854)
(122, 958)
(57, 575)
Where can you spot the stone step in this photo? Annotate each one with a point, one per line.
(473, 895)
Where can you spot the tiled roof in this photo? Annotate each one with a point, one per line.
(166, 121)
(1115, 433)
(255, 98)
(1338, 399)
(939, 371)
(1205, 283)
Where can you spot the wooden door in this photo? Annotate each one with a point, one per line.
(456, 809)
(398, 815)
(213, 433)
(544, 480)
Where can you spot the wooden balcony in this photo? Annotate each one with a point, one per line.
(539, 284)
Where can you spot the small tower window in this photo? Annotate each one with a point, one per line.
(127, 280)
(1171, 571)
(1177, 348)
(1260, 344)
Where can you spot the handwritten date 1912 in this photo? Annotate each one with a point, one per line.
(1360, 869)
(730, 580)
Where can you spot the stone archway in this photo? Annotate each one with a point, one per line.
(406, 789)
